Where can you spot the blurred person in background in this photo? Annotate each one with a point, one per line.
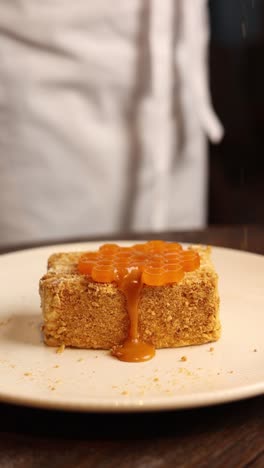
(104, 117)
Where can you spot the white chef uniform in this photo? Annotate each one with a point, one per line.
(104, 114)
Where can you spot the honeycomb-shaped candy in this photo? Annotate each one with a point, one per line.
(157, 262)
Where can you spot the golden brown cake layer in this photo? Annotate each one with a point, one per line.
(80, 313)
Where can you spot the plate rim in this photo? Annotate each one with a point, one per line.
(205, 399)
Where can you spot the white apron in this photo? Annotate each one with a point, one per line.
(104, 112)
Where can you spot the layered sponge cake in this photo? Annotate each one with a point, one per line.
(83, 312)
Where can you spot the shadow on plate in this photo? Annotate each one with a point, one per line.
(22, 328)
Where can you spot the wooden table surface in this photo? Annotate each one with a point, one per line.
(222, 436)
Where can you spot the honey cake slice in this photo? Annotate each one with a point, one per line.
(81, 313)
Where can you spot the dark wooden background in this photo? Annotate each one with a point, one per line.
(226, 436)
(236, 192)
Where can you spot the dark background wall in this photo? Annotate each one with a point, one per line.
(236, 193)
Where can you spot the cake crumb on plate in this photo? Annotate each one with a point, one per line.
(60, 349)
(183, 358)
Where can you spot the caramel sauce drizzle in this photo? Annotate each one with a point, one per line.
(154, 263)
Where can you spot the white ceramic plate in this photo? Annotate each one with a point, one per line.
(84, 380)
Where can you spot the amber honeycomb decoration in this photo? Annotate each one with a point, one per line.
(156, 262)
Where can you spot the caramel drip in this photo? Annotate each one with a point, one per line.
(133, 349)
